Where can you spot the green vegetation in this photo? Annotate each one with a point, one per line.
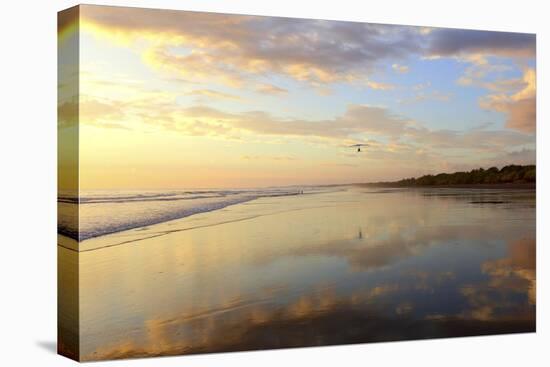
(506, 175)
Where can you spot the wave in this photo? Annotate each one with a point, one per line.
(106, 213)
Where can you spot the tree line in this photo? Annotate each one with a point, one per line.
(507, 174)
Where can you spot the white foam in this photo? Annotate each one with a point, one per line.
(104, 212)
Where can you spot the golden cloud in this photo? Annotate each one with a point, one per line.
(519, 106)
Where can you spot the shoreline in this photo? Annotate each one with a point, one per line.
(237, 212)
(153, 229)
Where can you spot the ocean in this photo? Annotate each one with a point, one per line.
(104, 212)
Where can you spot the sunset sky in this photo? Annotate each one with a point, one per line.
(174, 99)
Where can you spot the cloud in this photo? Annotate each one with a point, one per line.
(519, 106)
(245, 51)
(237, 47)
(402, 69)
(93, 110)
(445, 42)
(197, 66)
(357, 119)
(238, 50)
(475, 140)
(266, 88)
(426, 96)
(393, 138)
(380, 86)
(213, 94)
(515, 96)
(477, 73)
(522, 115)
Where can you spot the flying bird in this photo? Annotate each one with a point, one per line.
(358, 146)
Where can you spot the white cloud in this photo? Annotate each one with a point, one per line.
(402, 69)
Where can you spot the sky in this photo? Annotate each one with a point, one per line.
(177, 99)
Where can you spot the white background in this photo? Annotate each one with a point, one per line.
(28, 183)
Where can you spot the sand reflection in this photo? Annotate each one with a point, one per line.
(345, 267)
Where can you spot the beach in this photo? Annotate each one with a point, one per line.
(346, 265)
(233, 182)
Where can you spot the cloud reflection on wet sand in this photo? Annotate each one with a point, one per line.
(313, 320)
(389, 267)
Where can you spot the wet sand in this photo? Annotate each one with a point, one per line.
(353, 266)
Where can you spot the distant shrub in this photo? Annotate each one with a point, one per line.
(507, 174)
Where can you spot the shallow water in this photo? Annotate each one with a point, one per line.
(104, 212)
(352, 266)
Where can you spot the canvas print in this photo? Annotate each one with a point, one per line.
(238, 182)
